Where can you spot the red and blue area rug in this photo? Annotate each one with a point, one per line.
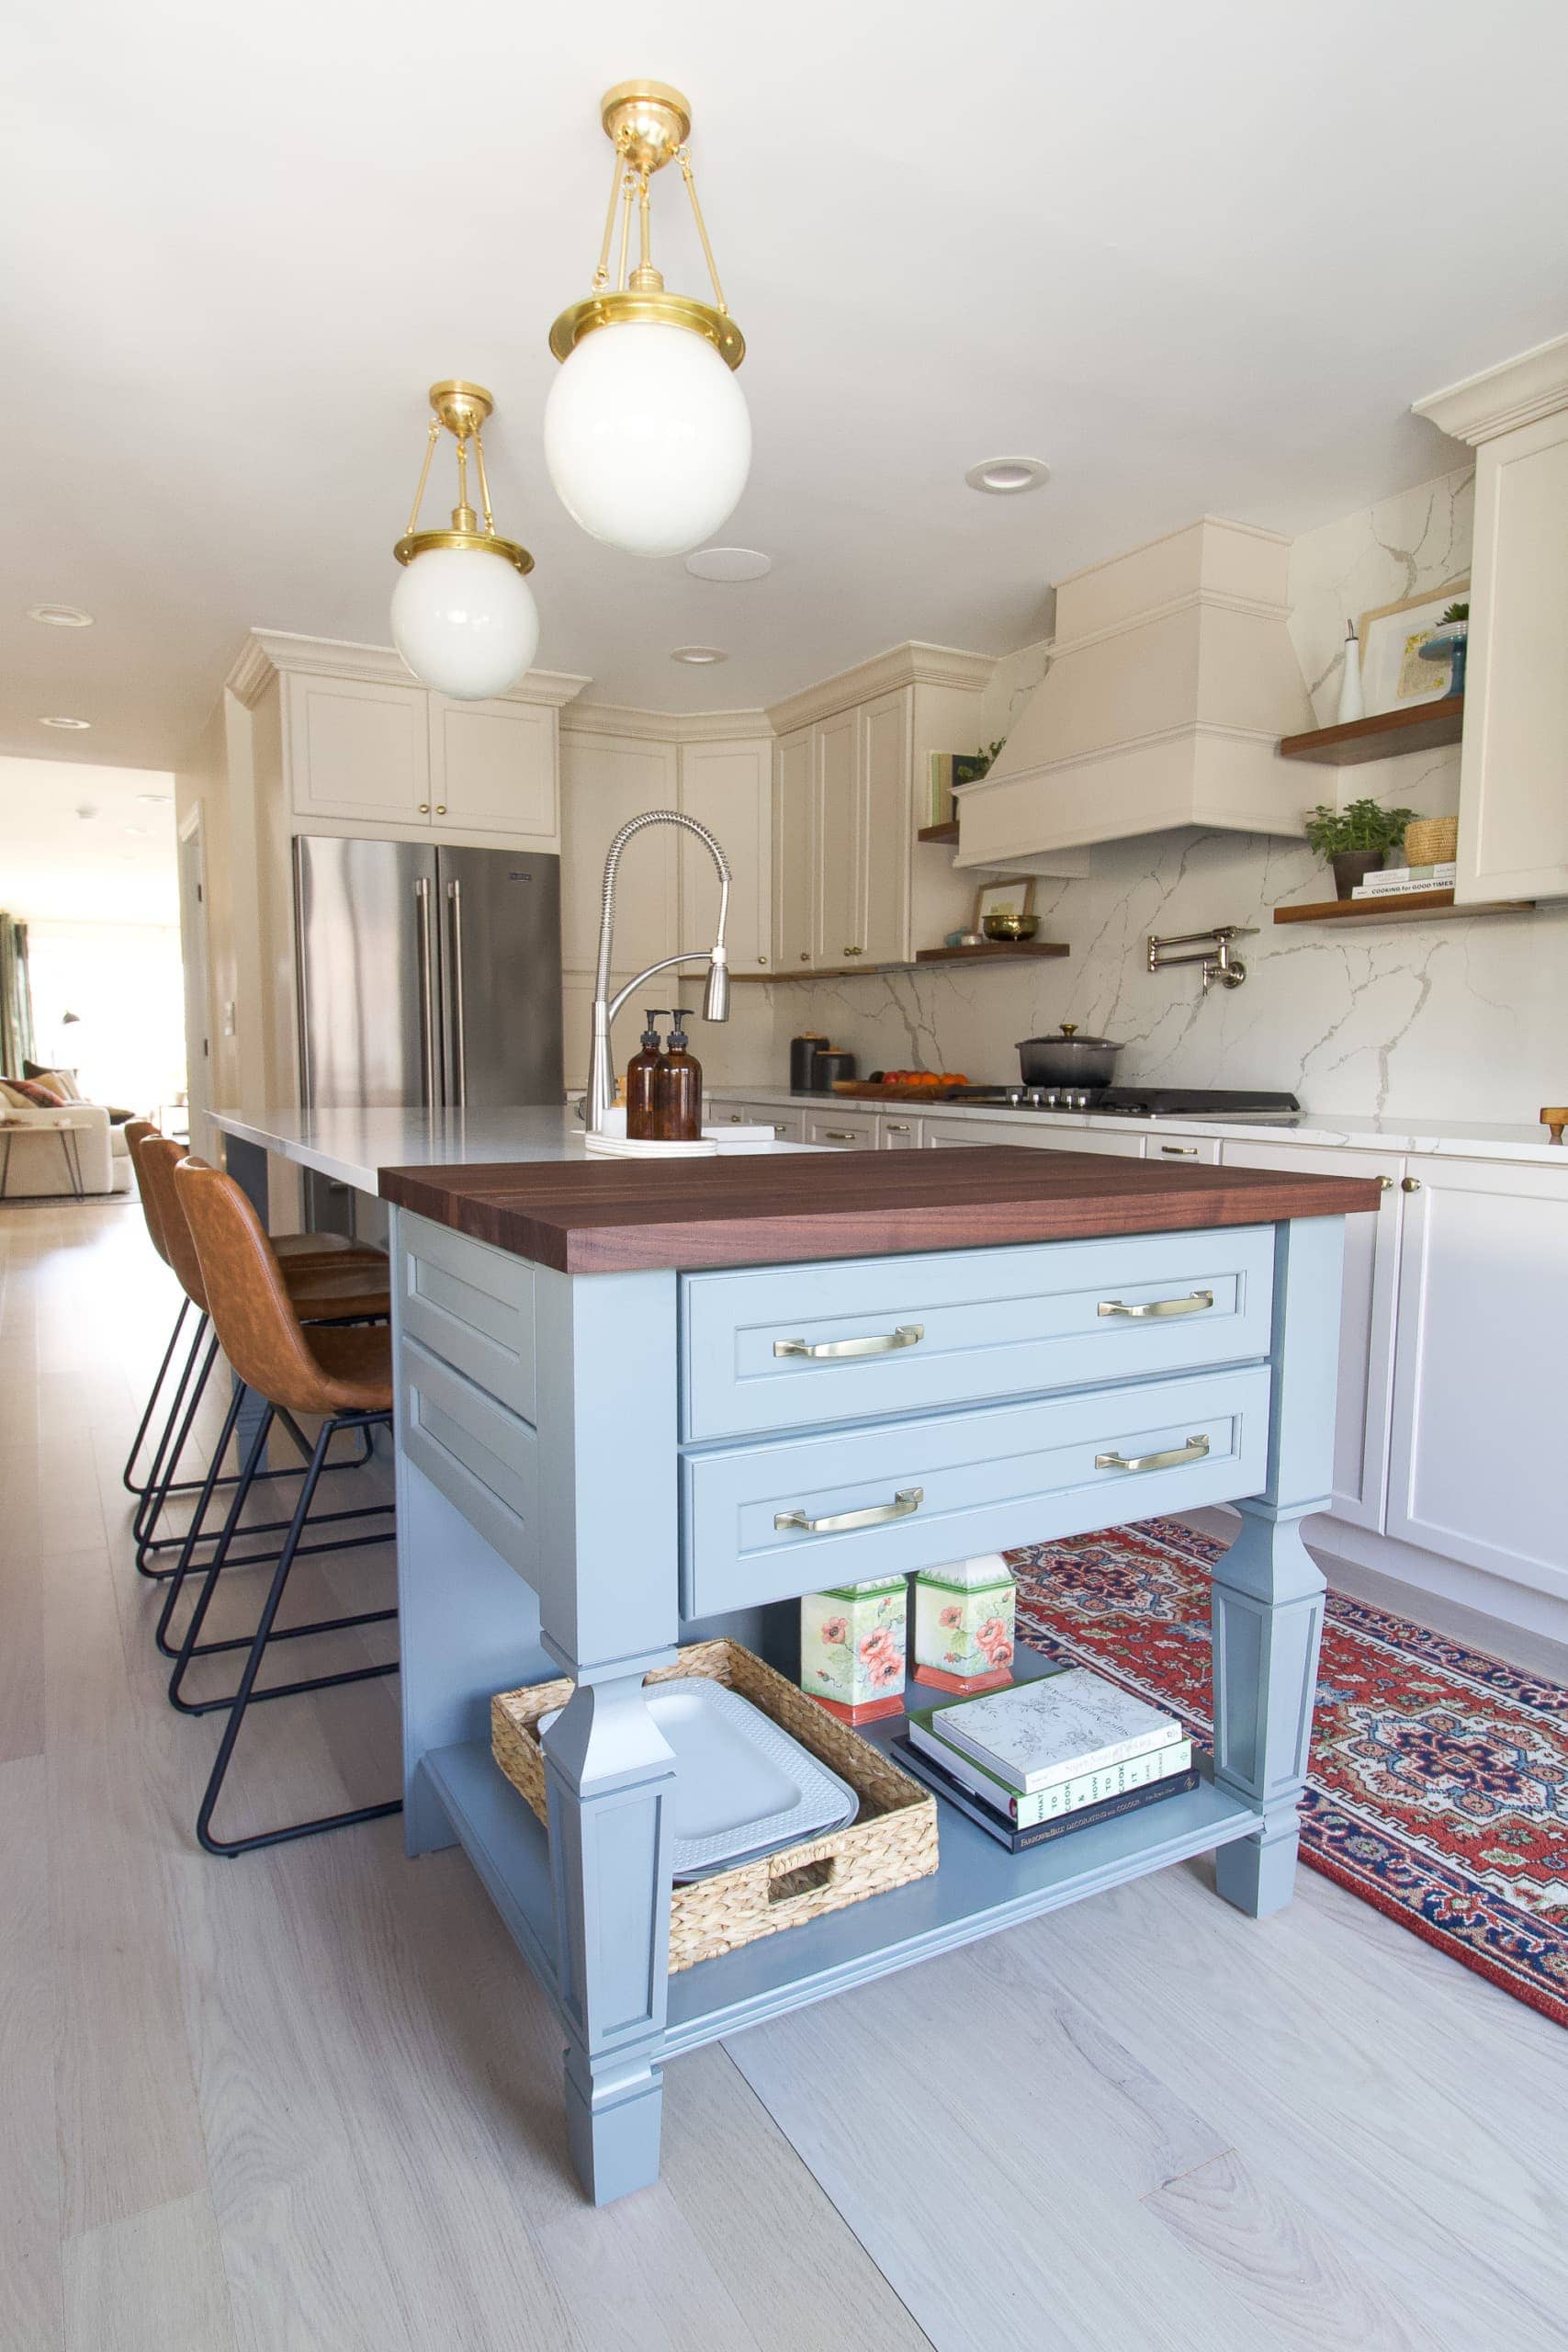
(1438, 1783)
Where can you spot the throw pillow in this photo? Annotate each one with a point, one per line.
(34, 1093)
(64, 1082)
(11, 1094)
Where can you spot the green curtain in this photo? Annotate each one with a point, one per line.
(16, 998)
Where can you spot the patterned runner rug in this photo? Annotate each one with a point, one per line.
(1438, 1787)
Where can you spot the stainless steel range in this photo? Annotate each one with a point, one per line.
(1132, 1101)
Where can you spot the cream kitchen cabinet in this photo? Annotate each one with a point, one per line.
(850, 1130)
(728, 786)
(376, 752)
(1042, 1134)
(605, 779)
(492, 768)
(788, 1127)
(794, 861)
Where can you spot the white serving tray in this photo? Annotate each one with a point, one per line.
(743, 1785)
(633, 1148)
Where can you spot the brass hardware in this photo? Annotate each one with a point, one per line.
(804, 955)
(1148, 1310)
(441, 807)
(840, 1135)
(1553, 1117)
(462, 408)
(1410, 1183)
(898, 1126)
(424, 808)
(648, 123)
(1385, 1184)
(1179, 1150)
(1193, 1450)
(877, 1343)
(854, 951)
(906, 1501)
(761, 959)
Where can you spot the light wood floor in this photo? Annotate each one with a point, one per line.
(309, 2100)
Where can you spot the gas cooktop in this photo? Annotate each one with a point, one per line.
(1133, 1101)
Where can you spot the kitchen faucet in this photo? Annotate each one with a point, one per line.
(715, 997)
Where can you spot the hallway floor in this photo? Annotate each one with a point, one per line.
(310, 2099)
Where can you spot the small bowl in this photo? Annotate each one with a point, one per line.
(968, 939)
(1010, 926)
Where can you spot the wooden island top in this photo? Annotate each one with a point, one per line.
(614, 1217)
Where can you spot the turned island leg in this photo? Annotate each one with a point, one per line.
(1268, 1590)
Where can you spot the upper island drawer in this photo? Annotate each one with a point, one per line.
(473, 1307)
(795, 1346)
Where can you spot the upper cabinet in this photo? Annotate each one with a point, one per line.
(851, 883)
(726, 785)
(1513, 835)
(364, 748)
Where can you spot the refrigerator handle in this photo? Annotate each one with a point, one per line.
(459, 1037)
(426, 995)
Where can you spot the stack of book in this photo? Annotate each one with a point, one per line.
(1049, 1755)
(1393, 880)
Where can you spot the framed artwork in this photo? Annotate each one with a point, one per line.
(1393, 675)
(1011, 895)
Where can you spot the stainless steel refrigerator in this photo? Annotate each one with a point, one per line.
(427, 976)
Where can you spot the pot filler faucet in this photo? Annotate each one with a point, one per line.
(715, 997)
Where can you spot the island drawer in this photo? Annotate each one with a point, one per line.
(485, 1326)
(946, 1487)
(796, 1347)
(484, 1459)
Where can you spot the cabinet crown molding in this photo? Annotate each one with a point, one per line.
(667, 725)
(911, 664)
(1518, 392)
(269, 651)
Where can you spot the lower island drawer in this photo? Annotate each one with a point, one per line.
(762, 1522)
(484, 1459)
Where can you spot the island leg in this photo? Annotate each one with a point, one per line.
(1268, 1590)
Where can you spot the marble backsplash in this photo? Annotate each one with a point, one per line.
(1444, 1020)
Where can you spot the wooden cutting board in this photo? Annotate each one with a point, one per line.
(864, 1090)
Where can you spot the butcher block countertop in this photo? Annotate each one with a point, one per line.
(608, 1216)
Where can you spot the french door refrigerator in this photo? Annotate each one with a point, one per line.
(428, 976)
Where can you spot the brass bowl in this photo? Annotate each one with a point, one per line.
(1010, 926)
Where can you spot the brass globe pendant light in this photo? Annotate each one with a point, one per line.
(463, 616)
(647, 435)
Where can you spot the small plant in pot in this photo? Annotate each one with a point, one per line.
(1355, 839)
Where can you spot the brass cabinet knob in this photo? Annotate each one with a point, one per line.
(424, 808)
(441, 807)
(805, 956)
(761, 959)
(1410, 1183)
(854, 951)
(1386, 1183)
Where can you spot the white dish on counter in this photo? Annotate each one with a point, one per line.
(633, 1148)
(743, 1785)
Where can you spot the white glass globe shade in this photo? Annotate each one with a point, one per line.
(647, 437)
(464, 621)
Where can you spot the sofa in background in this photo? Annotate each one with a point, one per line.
(38, 1168)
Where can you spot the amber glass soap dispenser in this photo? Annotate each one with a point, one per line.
(680, 1085)
(645, 1072)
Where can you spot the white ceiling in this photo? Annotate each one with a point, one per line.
(1199, 258)
(115, 863)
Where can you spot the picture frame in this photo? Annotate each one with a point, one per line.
(1009, 893)
(1393, 677)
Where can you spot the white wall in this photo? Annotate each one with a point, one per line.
(1448, 1019)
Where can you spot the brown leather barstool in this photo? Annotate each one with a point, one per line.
(341, 1375)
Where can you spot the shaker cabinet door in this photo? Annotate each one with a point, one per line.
(888, 825)
(840, 926)
(727, 788)
(792, 862)
(358, 750)
(605, 779)
(493, 769)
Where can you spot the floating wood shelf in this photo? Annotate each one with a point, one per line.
(948, 832)
(1404, 905)
(1425, 729)
(1014, 951)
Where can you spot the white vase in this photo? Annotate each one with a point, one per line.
(1352, 702)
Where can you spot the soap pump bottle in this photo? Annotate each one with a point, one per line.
(680, 1085)
(645, 1072)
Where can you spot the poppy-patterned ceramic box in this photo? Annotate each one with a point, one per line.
(854, 1641)
(963, 1624)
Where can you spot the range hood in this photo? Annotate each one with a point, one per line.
(1172, 678)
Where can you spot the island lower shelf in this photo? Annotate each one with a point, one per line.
(978, 1888)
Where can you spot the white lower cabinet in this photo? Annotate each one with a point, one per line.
(788, 1127)
(1042, 1134)
(1478, 1385)
(851, 1130)
(1366, 1321)
(900, 1133)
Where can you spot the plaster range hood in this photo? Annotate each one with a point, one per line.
(1172, 678)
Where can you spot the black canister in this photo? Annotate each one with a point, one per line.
(803, 1053)
(831, 1066)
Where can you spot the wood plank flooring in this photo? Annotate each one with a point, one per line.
(310, 2098)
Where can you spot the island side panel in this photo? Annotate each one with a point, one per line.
(1268, 1590)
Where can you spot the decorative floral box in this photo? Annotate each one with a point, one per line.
(963, 1624)
(853, 1645)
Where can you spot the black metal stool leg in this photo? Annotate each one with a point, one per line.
(193, 1533)
(162, 1469)
(127, 1478)
(152, 1507)
(247, 1690)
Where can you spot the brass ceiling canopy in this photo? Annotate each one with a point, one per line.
(462, 408)
(649, 124)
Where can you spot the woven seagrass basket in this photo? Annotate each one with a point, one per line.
(892, 1839)
(1431, 841)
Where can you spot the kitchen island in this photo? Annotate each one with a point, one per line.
(626, 1415)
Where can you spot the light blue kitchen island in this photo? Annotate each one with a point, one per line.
(638, 1405)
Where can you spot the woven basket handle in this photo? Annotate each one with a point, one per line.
(793, 1881)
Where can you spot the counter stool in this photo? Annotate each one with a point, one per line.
(343, 1375)
(334, 1286)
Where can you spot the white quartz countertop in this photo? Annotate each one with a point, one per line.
(1455, 1138)
(353, 1147)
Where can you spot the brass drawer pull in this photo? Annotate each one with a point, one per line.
(1179, 1150)
(905, 1502)
(1146, 1310)
(1193, 1450)
(842, 1135)
(875, 1343)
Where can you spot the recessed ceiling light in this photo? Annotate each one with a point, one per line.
(699, 656)
(155, 799)
(60, 616)
(729, 564)
(71, 723)
(86, 811)
(1005, 477)
(141, 832)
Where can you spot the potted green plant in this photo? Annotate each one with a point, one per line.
(1355, 839)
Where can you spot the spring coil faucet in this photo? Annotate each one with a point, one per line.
(715, 996)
